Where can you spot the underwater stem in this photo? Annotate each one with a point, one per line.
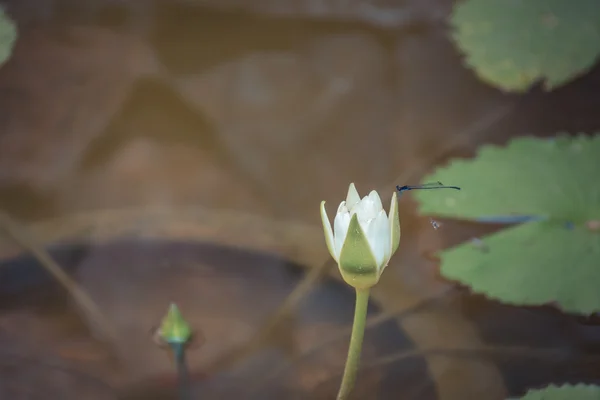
(182, 371)
(358, 332)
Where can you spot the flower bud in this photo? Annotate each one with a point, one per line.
(363, 238)
(173, 328)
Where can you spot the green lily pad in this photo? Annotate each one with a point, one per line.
(550, 178)
(531, 264)
(553, 259)
(8, 36)
(512, 44)
(566, 392)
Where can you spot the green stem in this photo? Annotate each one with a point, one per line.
(358, 332)
(182, 371)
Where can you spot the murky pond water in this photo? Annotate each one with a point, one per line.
(224, 293)
(217, 133)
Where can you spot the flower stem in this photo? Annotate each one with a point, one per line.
(182, 371)
(358, 332)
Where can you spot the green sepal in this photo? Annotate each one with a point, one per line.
(357, 263)
(328, 231)
(173, 328)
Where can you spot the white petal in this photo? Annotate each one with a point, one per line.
(353, 197)
(365, 209)
(367, 227)
(381, 233)
(341, 208)
(340, 230)
(370, 229)
(376, 201)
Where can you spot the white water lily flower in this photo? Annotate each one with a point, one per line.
(363, 238)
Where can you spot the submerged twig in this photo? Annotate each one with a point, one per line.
(310, 278)
(471, 352)
(372, 322)
(25, 240)
(474, 352)
(457, 140)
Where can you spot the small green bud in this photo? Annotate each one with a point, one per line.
(173, 328)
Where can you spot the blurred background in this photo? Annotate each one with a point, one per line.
(178, 150)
